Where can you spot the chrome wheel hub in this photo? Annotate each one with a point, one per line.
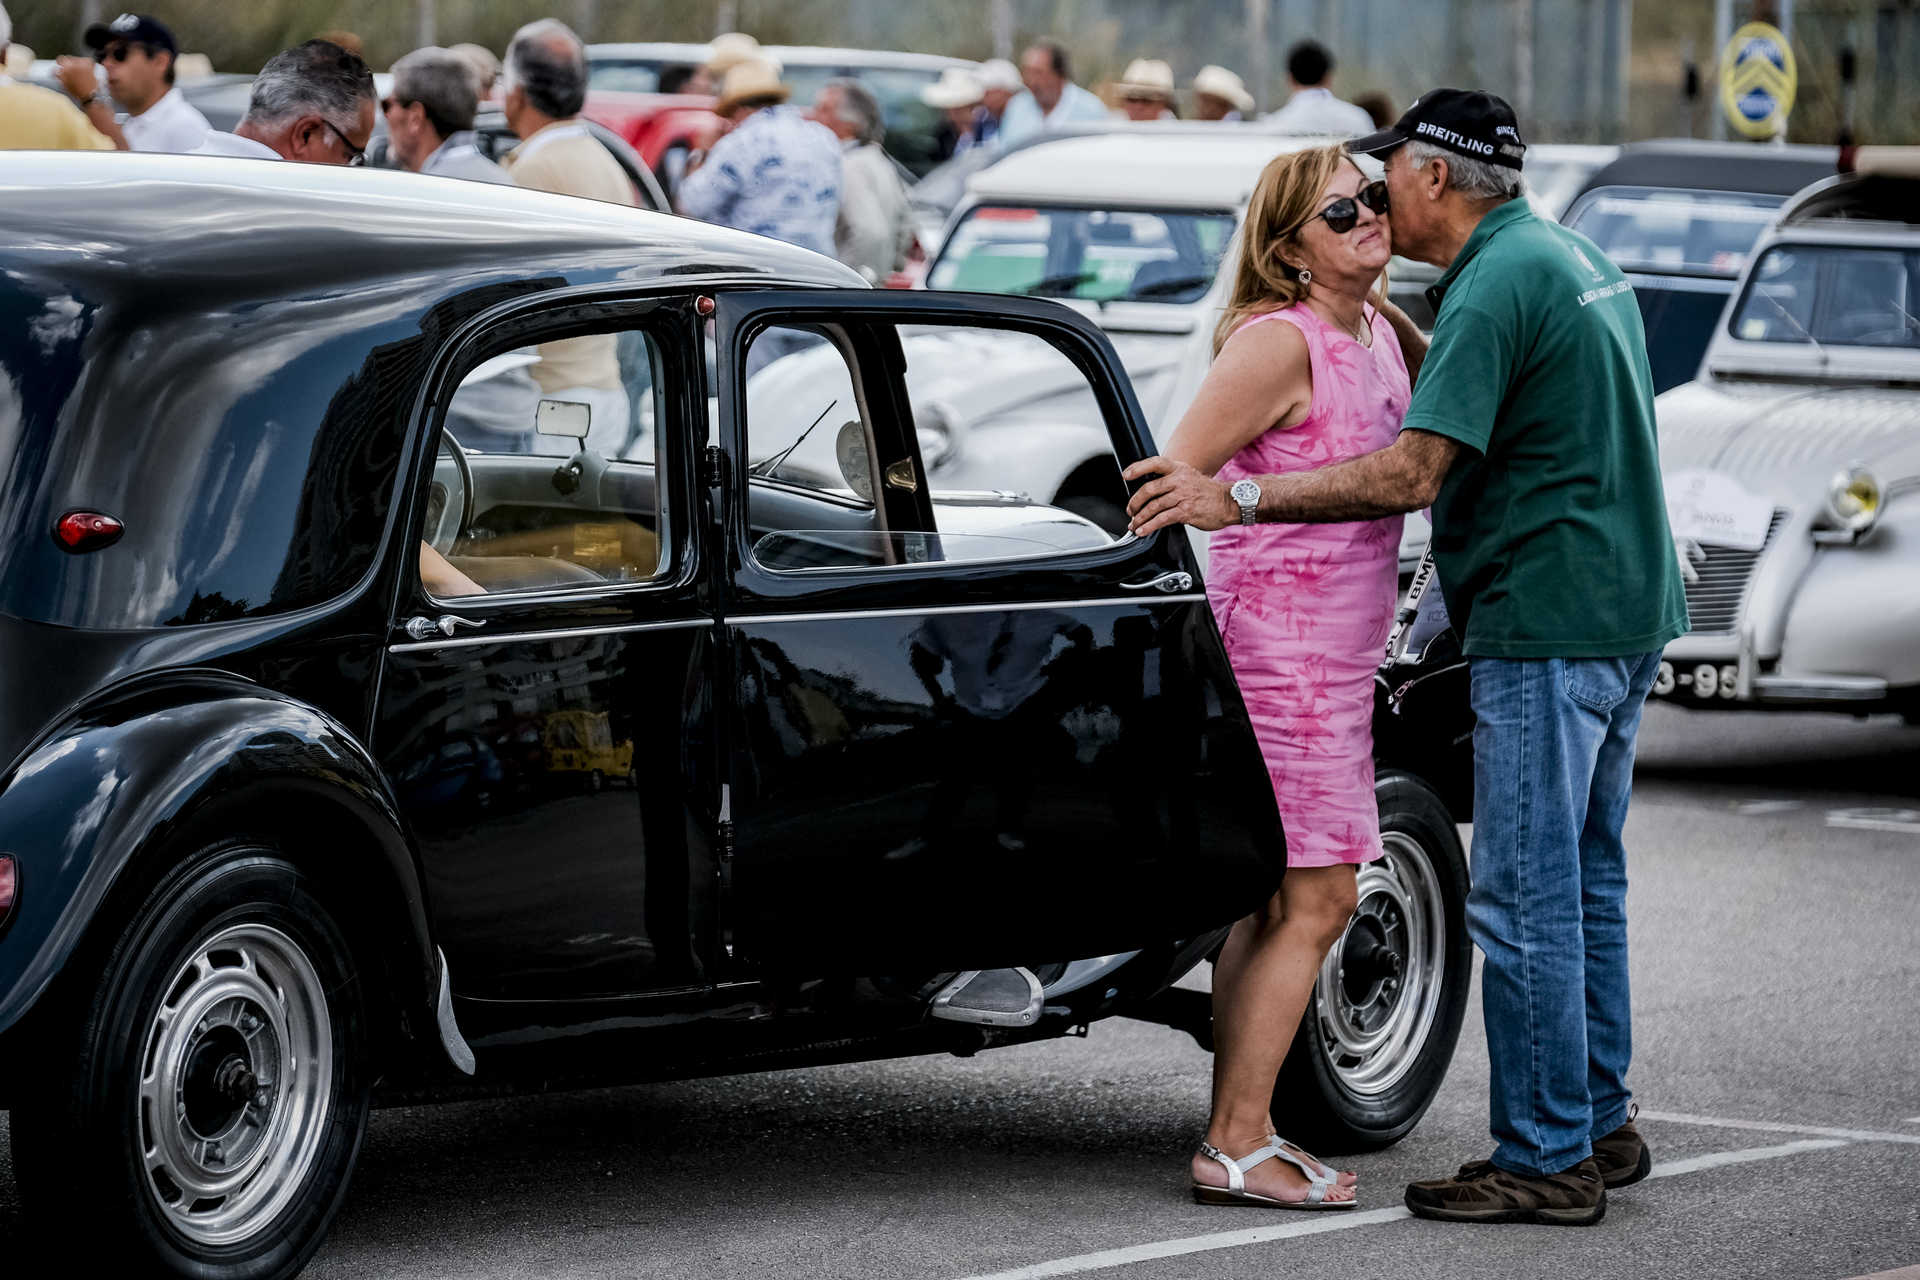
(1378, 991)
(235, 1077)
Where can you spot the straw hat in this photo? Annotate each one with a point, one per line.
(748, 80)
(1218, 82)
(730, 50)
(956, 87)
(192, 66)
(19, 61)
(1146, 78)
(998, 73)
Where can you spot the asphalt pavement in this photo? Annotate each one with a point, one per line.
(1775, 908)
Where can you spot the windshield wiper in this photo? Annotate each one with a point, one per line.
(1178, 284)
(1058, 284)
(1797, 326)
(766, 466)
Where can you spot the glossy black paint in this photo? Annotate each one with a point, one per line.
(160, 318)
(247, 362)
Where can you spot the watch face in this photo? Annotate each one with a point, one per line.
(1244, 491)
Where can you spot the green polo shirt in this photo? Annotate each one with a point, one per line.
(1550, 532)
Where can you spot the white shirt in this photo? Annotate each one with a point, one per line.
(217, 143)
(1311, 111)
(171, 124)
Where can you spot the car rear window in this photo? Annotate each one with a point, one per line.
(1103, 255)
(1686, 232)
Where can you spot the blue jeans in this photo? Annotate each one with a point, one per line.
(1553, 771)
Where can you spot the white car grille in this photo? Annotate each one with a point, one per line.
(1716, 581)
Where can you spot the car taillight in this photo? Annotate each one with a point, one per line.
(79, 531)
(9, 888)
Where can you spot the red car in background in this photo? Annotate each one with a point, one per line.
(662, 127)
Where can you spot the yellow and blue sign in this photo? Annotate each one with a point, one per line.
(1757, 80)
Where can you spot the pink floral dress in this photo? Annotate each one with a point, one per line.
(1305, 608)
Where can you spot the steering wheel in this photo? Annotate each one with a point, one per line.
(449, 497)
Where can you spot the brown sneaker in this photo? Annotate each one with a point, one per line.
(1622, 1156)
(1483, 1192)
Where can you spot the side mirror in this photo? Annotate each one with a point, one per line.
(568, 418)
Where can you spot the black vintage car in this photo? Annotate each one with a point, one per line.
(420, 677)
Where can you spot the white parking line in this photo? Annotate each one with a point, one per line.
(1768, 1126)
(1903, 821)
(1759, 808)
(1911, 1120)
(1345, 1220)
(1720, 1159)
(1325, 1220)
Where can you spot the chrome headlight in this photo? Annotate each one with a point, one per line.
(1853, 500)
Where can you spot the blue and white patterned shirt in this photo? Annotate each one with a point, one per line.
(777, 174)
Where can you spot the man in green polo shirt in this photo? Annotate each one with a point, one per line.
(1531, 434)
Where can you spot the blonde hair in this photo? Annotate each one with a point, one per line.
(1284, 199)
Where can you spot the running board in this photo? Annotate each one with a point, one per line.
(990, 998)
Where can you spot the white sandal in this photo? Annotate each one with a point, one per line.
(1235, 1192)
(1327, 1172)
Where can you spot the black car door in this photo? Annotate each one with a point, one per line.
(964, 730)
(573, 683)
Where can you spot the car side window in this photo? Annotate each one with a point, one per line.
(1012, 453)
(544, 476)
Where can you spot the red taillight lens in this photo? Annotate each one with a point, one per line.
(87, 530)
(9, 887)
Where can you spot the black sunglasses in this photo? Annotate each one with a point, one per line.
(121, 52)
(355, 155)
(1343, 214)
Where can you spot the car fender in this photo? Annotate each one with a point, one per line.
(130, 773)
(1855, 612)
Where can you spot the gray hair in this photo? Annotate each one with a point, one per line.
(1474, 179)
(316, 78)
(547, 61)
(859, 108)
(442, 82)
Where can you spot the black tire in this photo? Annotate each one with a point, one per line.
(1109, 515)
(78, 1148)
(1361, 1102)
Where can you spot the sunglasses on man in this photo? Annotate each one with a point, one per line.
(1344, 214)
(356, 156)
(121, 52)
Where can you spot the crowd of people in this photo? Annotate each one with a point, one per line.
(815, 176)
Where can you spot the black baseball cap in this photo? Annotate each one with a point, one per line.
(134, 28)
(1468, 122)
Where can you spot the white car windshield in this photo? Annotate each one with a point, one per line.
(1838, 295)
(1687, 232)
(1100, 255)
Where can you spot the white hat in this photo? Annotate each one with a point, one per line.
(998, 73)
(1218, 82)
(956, 87)
(751, 78)
(730, 50)
(1146, 78)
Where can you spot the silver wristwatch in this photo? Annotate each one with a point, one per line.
(1246, 492)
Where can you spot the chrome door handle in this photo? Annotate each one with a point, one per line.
(423, 628)
(1176, 580)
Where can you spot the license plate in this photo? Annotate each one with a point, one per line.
(1700, 680)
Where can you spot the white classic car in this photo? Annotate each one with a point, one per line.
(1793, 462)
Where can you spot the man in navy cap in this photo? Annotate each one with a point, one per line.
(138, 53)
(1531, 434)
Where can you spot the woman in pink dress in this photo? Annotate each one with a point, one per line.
(1308, 370)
